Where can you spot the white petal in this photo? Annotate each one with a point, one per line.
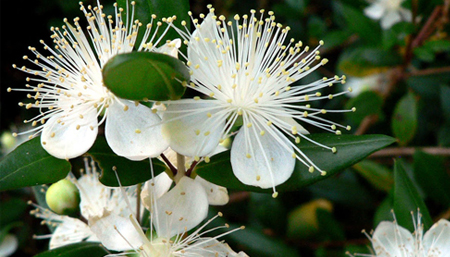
(437, 239)
(210, 247)
(162, 184)
(390, 239)
(70, 231)
(8, 245)
(217, 195)
(294, 123)
(269, 165)
(374, 11)
(170, 48)
(406, 14)
(390, 19)
(180, 209)
(134, 133)
(112, 230)
(188, 128)
(63, 140)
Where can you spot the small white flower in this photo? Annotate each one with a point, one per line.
(388, 11)
(390, 239)
(217, 195)
(99, 204)
(8, 245)
(68, 90)
(172, 216)
(377, 82)
(247, 72)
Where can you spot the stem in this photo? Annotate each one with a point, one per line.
(181, 170)
(138, 202)
(169, 164)
(401, 151)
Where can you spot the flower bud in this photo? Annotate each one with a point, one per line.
(63, 197)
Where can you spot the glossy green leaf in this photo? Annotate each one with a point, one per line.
(404, 119)
(29, 165)
(364, 61)
(329, 227)
(432, 177)
(408, 200)
(376, 174)
(357, 22)
(366, 103)
(445, 101)
(149, 75)
(384, 210)
(144, 9)
(351, 149)
(129, 172)
(85, 249)
(253, 240)
(396, 34)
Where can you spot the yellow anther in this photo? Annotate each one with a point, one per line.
(137, 131)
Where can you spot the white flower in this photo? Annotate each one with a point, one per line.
(390, 239)
(8, 245)
(377, 82)
(248, 73)
(68, 90)
(99, 204)
(172, 216)
(217, 195)
(388, 11)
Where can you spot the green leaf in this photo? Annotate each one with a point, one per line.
(163, 9)
(129, 172)
(140, 75)
(357, 22)
(404, 119)
(85, 249)
(350, 150)
(253, 240)
(396, 34)
(377, 175)
(366, 103)
(364, 61)
(407, 200)
(445, 101)
(432, 177)
(29, 165)
(384, 210)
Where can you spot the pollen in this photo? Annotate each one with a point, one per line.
(137, 131)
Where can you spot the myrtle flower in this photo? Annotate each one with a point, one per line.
(388, 11)
(99, 204)
(67, 87)
(8, 245)
(247, 72)
(172, 216)
(390, 239)
(216, 195)
(376, 82)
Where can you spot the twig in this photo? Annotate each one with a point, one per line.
(402, 151)
(138, 202)
(429, 71)
(239, 196)
(428, 28)
(366, 123)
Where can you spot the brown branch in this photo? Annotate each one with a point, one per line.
(428, 28)
(366, 123)
(429, 71)
(239, 196)
(401, 151)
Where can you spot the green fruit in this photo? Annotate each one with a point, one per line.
(63, 197)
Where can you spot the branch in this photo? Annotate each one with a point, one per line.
(401, 151)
